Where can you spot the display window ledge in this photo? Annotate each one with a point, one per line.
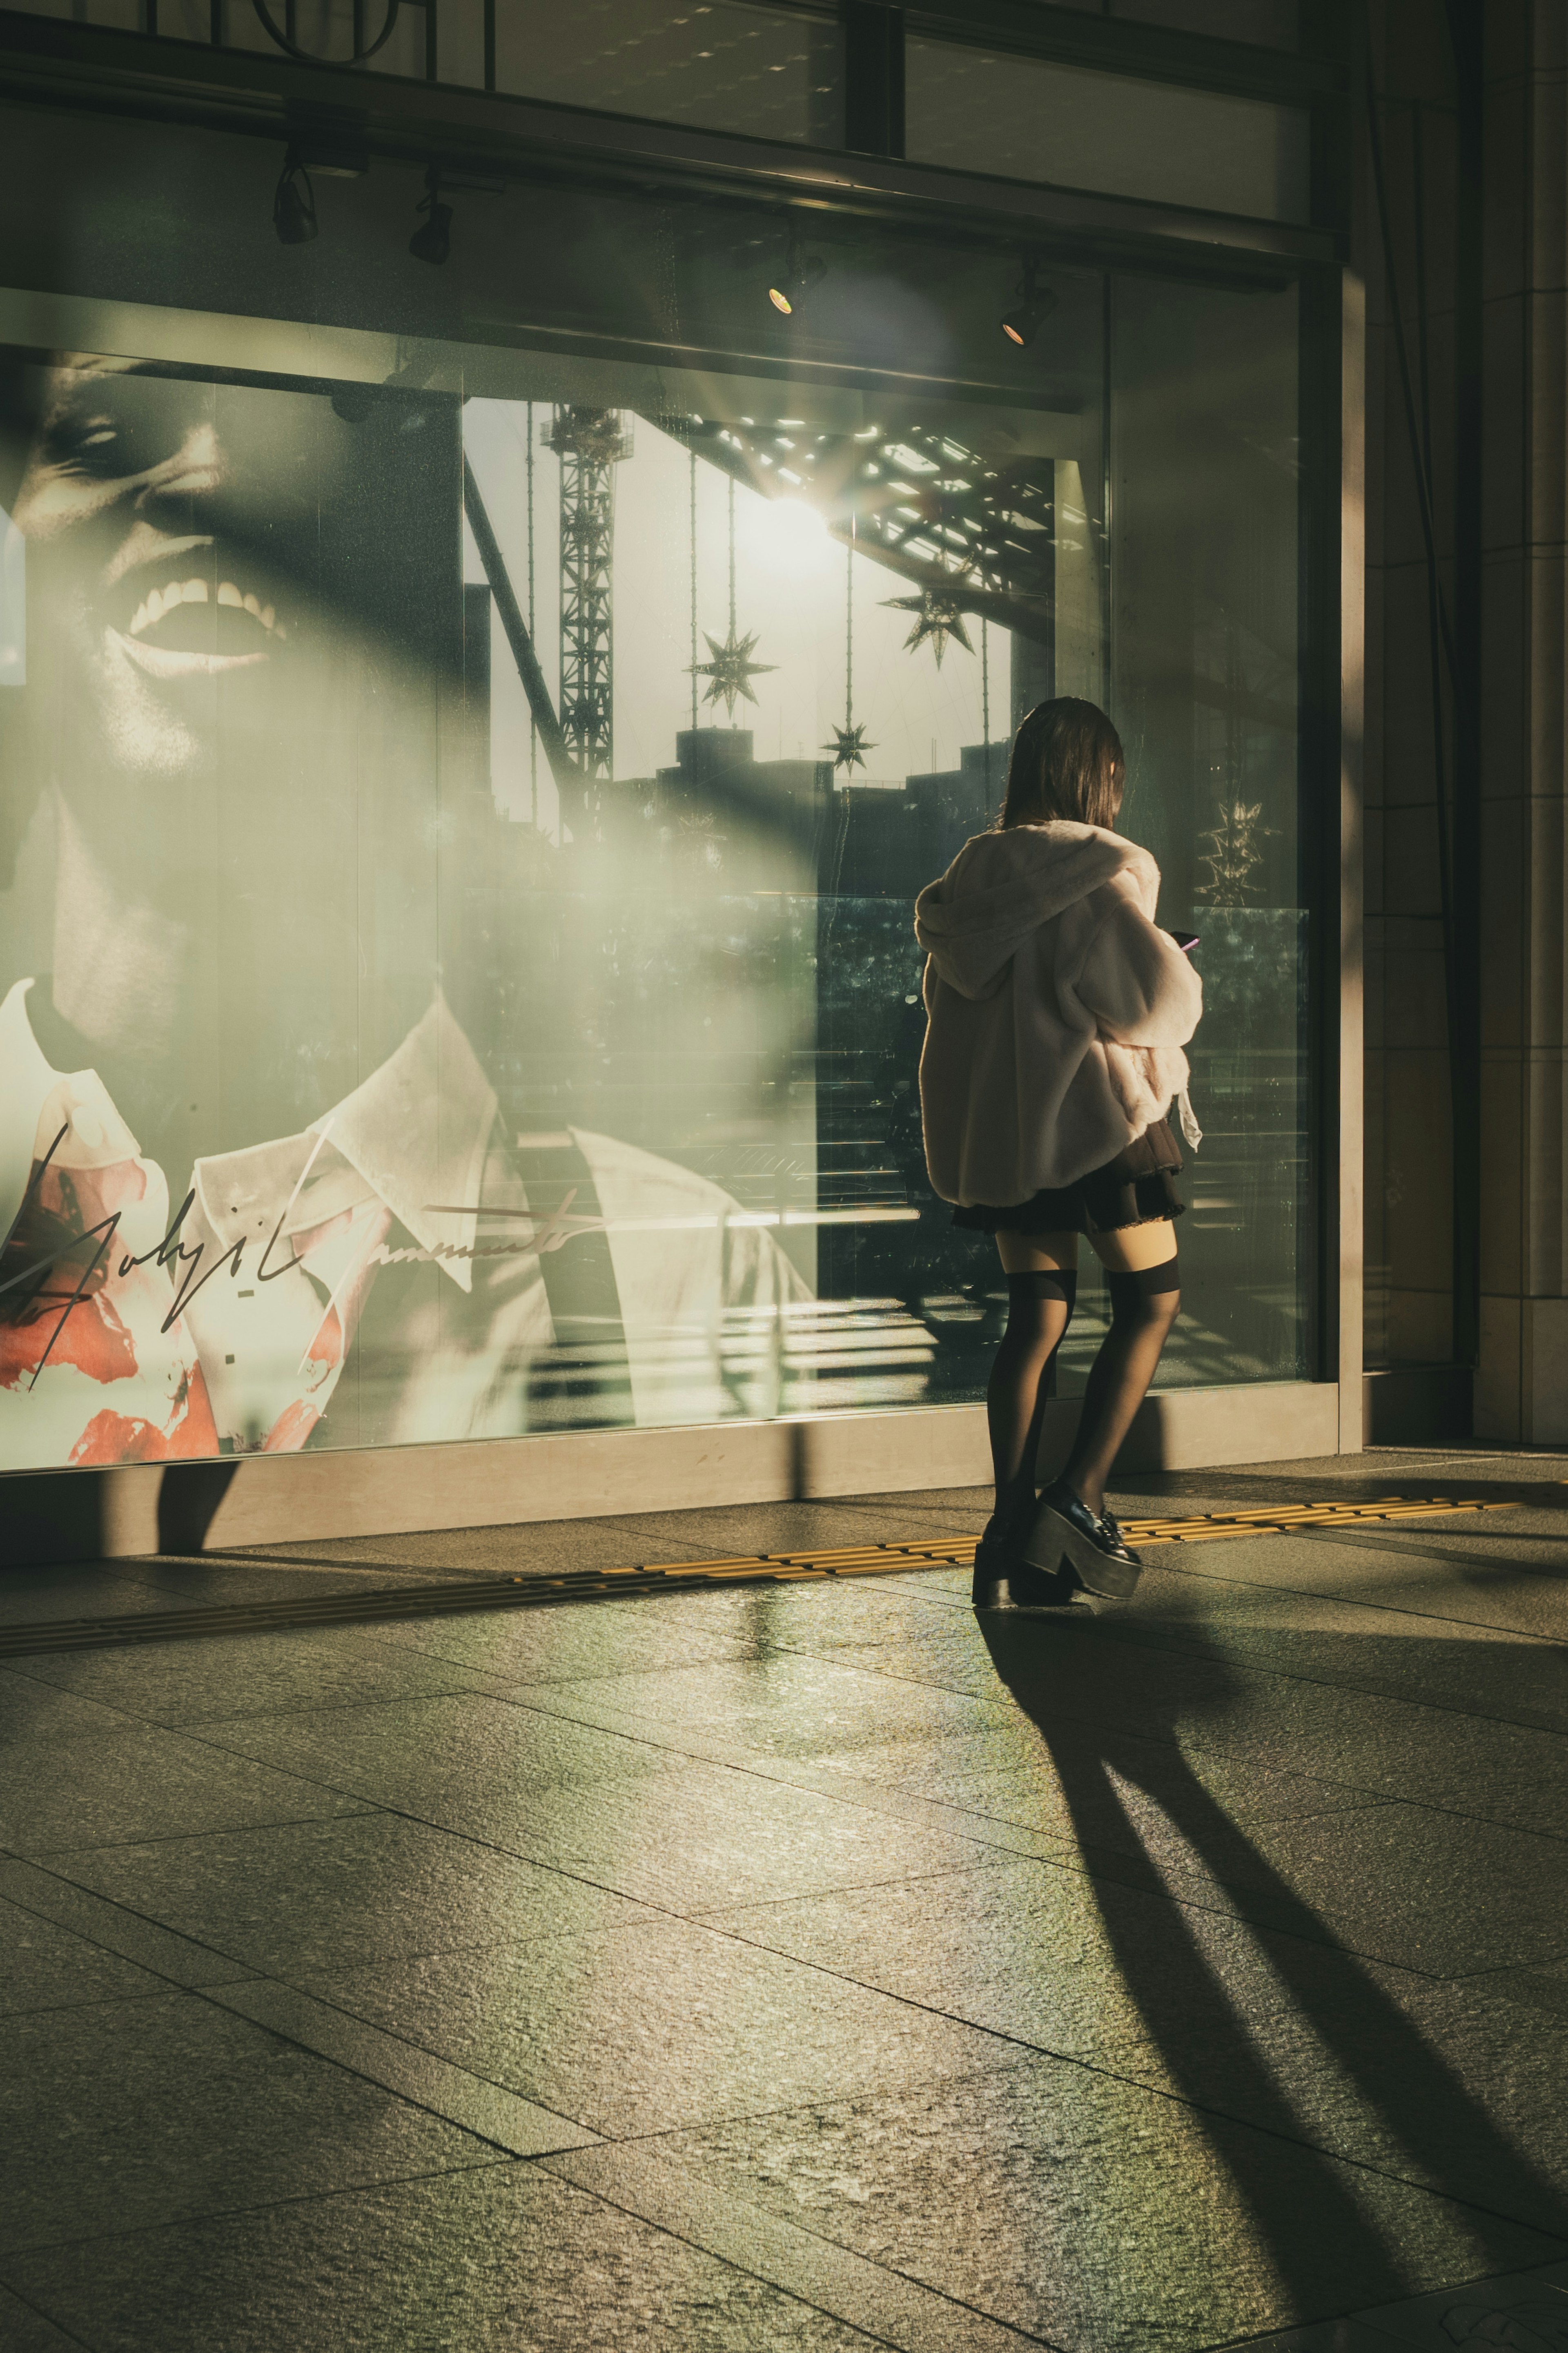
(135, 1509)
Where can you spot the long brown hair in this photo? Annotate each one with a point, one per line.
(1066, 762)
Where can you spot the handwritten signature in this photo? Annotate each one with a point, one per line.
(545, 1234)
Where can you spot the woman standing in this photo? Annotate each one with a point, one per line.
(1055, 1015)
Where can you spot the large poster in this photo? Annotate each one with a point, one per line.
(262, 1181)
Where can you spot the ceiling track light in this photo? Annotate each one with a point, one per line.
(433, 242)
(294, 202)
(800, 273)
(1032, 306)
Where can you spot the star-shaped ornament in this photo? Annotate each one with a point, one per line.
(937, 616)
(848, 748)
(732, 669)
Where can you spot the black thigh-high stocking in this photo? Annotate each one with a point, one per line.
(1142, 1309)
(1039, 1309)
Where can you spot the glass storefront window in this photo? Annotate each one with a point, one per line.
(458, 971)
(723, 65)
(1030, 119)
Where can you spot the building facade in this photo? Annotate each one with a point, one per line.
(526, 535)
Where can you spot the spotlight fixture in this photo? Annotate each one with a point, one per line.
(1032, 307)
(800, 273)
(433, 243)
(294, 202)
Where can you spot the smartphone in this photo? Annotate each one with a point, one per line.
(1186, 941)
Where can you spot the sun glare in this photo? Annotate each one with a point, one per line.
(786, 537)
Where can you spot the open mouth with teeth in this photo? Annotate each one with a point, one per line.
(190, 625)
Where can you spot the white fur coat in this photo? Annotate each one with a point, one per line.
(1056, 1011)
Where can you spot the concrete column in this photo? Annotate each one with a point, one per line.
(1522, 1390)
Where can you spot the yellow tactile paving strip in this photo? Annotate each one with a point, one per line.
(1278, 1519)
(669, 1577)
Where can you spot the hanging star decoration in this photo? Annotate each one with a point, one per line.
(732, 669)
(937, 619)
(848, 748)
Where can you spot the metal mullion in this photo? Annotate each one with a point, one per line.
(873, 78)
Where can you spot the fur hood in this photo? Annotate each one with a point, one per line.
(1003, 886)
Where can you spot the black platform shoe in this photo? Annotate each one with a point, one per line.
(1069, 1538)
(1004, 1579)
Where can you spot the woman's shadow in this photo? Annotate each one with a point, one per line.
(1212, 2045)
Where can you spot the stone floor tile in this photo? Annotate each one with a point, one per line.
(250, 1674)
(1391, 1746)
(176, 1960)
(845, 1614)
(1457, 2085)
(1525, 2313)
(25, 2330)
(1404, 1884)
(782, 1527)
(641, 2028)
(525, 1546)
(408, 1753)
(1538, 1802)
(485, 2109)
(1122, 1811)
(1081, 2210)
(45, 1967)
(1481, 1570)
(711, 1835)
(1474, 1669)
(139, 1784)
(1011, 1948)
(786, 1702)
(35, 1715)
(30, 1597)
(570, 1640)
(134, 2113)
(901, 2312)
(1331, 2336)
(491, 2262)
(304, 1898)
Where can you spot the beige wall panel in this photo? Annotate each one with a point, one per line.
(1411, 878)
(1417, 1189)
(1497, 1386)
(1419, 1325)
(1415, 1005)
(1546, 1368)
(1502, 1173)
(1504, 940)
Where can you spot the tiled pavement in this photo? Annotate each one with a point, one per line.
(803, 1966)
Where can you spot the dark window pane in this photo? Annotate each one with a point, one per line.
(1027, 119)
(723, 65)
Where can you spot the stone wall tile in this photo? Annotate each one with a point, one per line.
(1502, 1194)
(1499, 1390)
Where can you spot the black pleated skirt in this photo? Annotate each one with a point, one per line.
(1133, 1189)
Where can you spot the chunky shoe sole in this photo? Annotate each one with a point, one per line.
(1029, 1593)
(1005, 1580)
(1054, 1545)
